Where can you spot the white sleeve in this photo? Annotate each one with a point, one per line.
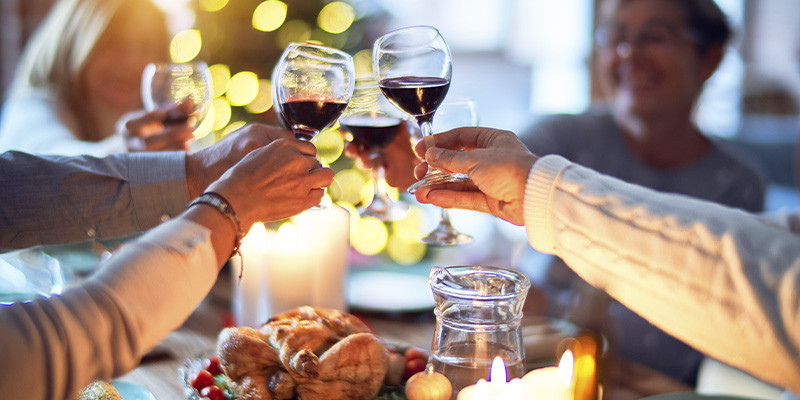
(102, 328)
(717, 278)
(34, 122)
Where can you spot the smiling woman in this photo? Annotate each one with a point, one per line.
(80, 74)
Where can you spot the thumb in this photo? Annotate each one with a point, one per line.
(449, 160)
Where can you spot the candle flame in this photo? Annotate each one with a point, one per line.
(565, 367)
(497, 372)
(481, 389)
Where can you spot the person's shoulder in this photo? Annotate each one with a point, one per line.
(563, 130)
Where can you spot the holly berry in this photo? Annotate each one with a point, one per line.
(414, 366)
(212, 392)
(202, 380)
(413, 353)
(212, 365)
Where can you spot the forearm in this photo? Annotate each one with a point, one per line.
(101, 328)
(52, 199)
(716, 278)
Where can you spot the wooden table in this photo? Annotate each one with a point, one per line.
(158, 372)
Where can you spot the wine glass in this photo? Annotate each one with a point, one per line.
(313, 85)
(167, 84)
(453, 113)
(373, 123)
(413, 68)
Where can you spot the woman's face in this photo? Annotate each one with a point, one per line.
(648, 62)
(112, 73)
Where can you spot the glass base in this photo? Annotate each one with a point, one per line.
(446, 235)
(384, 211)
(434, 177)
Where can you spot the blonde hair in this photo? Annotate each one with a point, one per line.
(57, 51)
(60, 47)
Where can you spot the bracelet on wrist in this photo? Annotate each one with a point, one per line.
(224, 207)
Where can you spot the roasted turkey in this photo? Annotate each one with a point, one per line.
(307, 353)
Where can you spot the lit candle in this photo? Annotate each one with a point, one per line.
(307, 264)
(303, 262)
(249, 297)
(550, 383)
(496, 388)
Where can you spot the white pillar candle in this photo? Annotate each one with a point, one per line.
(249, 300)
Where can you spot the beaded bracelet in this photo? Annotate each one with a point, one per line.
(223, 206)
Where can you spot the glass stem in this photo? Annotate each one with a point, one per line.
(444, 220)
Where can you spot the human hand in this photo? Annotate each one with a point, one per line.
(165, 129)
(205, 166)
(498, 165)
(274, 182)
(398, 159)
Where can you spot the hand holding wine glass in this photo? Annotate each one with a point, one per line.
(373, 124)
(312, 86)
(413, 67)
(176, 97)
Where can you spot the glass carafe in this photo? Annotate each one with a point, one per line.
(478, 313)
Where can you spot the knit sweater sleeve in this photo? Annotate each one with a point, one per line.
(717, 278)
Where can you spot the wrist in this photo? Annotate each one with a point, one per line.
(222, 206)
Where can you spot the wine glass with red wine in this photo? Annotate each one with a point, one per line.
(372, 123)
(312, 86)
(413, 68)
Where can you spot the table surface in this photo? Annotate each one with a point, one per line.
(159, 370)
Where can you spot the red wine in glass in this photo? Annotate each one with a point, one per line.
(418, 96)
(307, 117)
(371, 134)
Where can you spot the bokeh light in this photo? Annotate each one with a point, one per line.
(185, 45)
(330, 145)
(263, 100)
(295, 30)
(212, 5)
(369, 236)
(405, 252)
(222, 112)
(243, 88)
(269, 15)
(206, 125)
(336, 17)
(232, 127)
(346, 186)
(409, 228)
(363, 62)
(220, 77)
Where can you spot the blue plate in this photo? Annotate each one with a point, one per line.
(131, 391)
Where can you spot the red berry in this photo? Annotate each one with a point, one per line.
(414, 366)
(212, 393)
(413, 353)
(202, 380)
(211, 364)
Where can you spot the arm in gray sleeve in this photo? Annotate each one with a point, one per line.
(58, 199)
(715, 277)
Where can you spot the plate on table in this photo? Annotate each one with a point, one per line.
(694, 396)
(385, 291)
(131, 391)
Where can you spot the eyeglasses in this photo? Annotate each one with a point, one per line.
(654, 37)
